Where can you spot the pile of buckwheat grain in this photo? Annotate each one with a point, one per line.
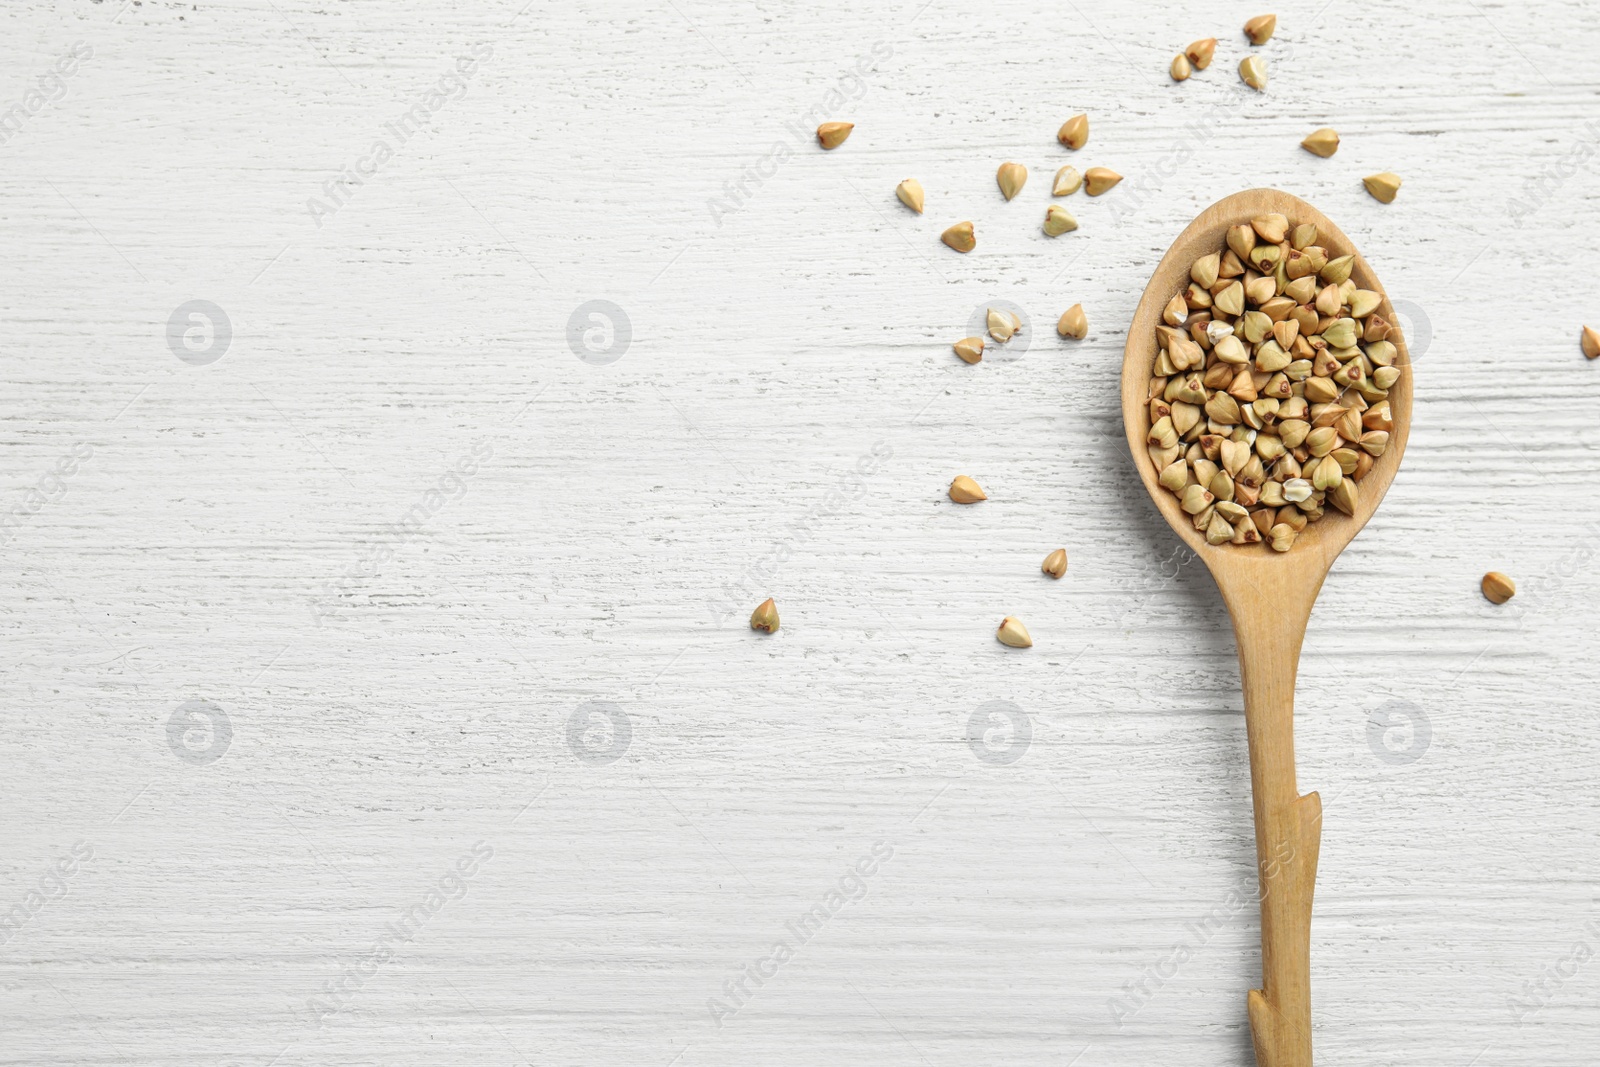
(1269, 395)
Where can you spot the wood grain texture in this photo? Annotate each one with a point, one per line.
(783, 423)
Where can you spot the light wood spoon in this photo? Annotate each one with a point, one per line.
(1269, 595)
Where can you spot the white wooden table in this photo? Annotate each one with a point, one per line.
(377, 688)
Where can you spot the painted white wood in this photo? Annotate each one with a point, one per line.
(783, 422)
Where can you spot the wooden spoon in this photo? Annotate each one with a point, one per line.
(1269, 595)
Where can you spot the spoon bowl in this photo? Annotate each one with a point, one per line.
(1269, 596)
(1323, 540)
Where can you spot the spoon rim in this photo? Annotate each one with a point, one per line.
(1322, 540)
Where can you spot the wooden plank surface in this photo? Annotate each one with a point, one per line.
(411, 569)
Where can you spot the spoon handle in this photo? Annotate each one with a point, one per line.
(1269, 623)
